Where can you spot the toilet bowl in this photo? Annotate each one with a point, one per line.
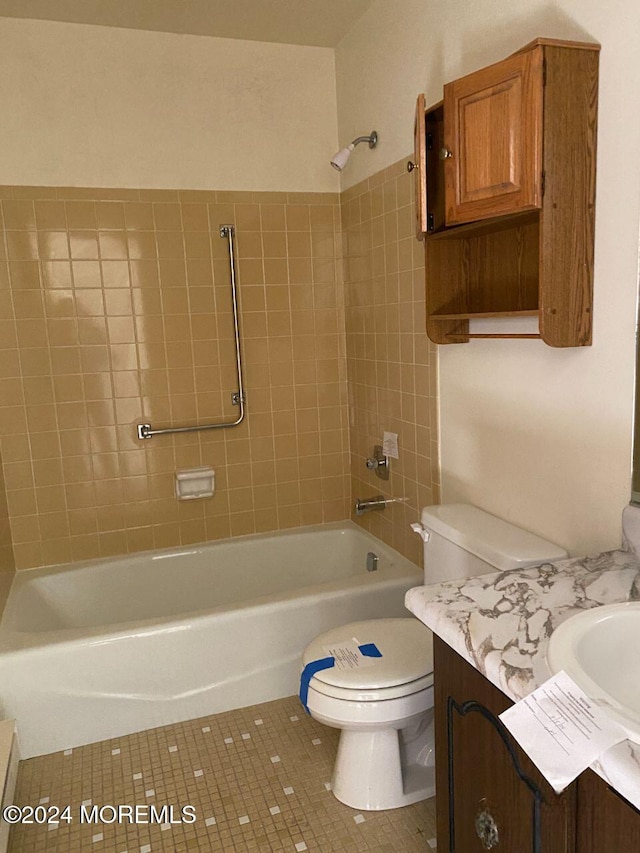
(384, 707)
(374, 680)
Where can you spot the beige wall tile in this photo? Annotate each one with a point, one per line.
(391, 364)
(112, 317)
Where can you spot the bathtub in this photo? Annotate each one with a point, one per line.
(98, 650)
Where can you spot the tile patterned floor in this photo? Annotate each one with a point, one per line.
(258, 777)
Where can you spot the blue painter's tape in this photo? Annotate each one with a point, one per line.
(369, 650)
(307, 674)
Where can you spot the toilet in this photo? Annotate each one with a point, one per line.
(374, 679)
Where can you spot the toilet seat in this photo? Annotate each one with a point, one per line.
(372, 694)
(404, 668)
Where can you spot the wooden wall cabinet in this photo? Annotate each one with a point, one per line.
(509, 191)
(493, 133)
(489, 793)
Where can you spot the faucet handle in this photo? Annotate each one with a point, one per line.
(379, 463)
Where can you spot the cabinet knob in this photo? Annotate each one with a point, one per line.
(445, 153)
(486, 827)
(411, 166)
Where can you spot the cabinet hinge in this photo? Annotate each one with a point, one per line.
(430, 222)
(429, 141)
(542, 183)
(544, 71)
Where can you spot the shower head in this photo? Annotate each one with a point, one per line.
(339, 160)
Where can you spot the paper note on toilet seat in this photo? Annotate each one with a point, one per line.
(562, 731)
(347, 655)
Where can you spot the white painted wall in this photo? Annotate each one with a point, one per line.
(99, 106)
(541, 437)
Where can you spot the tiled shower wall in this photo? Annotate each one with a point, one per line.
(114, 310)
(392, 365)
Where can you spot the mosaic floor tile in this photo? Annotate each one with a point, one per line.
(244, 801)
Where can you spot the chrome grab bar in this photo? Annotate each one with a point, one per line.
(238, 398)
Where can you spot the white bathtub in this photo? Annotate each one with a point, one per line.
(105, 649)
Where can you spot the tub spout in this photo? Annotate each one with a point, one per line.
(378, 502)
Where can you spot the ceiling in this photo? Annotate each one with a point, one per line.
(322, 23)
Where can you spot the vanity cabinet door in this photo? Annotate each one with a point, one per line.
(493, 139)
(605, 820)
(489, 794)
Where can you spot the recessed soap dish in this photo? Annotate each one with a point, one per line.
(192, 483)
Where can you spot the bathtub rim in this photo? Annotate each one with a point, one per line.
(14, 640)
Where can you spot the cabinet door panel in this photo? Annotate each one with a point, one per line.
(420, 167)
(489, 794)
(605, 820)
(493, 139)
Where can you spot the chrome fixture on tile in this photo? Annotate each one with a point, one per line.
(227, 232)
(372, 561)
(339, 160)
(378, 502)
(379, 463)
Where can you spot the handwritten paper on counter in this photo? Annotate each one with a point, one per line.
(561, 729)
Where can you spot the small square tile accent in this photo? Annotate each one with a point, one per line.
(241, 787)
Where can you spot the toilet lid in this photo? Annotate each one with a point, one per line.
(406, 646)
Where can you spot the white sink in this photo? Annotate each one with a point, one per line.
(600, 650)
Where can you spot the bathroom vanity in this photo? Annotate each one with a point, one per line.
(487, 785)
(491, 637)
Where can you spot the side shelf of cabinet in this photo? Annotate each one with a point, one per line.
(489, 792)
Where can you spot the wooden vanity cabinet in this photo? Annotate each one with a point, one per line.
(489, 794)
(510, 181)
(606, 821)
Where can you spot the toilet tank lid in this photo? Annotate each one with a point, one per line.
(492, 539)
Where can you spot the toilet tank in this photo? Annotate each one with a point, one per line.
(465, 541)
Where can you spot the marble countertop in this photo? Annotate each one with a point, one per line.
(501, 624)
